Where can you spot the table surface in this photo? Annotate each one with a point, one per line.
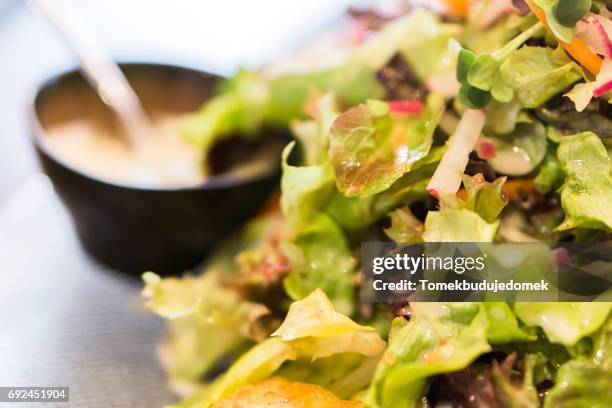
(66, 320)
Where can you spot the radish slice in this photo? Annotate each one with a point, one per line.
(582, 93)
(596, 31)
(485, 149)
(603, 89)
(406, 107)
(447, 177)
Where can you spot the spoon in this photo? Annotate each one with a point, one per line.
(101, 71)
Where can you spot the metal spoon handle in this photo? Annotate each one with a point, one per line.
(99, 69)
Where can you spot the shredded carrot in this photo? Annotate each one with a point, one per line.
(577, 48)
(583, 54)
(458, 8)
(514, 187)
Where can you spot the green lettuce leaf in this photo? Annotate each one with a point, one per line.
(535, 74)
(205, 319)
(586, 382)
(581, 384)
(458, 225)
(371, 148)
(343, 374)
(486, 199)
(311, 330)
(314, 329)
(439, 338)
(504, 326)
(305, 189)
(585, 195)
(355, 213)
(352, 213)
(405, 227)
(472, 219)
(550, 176)
(314, 134)
(320, 258)
(239, 108)
(516, 394)
(257, 364)
(564, 323)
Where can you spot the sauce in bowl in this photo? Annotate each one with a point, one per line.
(160, 210)
(167, 161)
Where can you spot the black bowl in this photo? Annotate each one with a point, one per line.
(136, 229)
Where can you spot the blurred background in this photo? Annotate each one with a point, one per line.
(219, 36)
(67, 320)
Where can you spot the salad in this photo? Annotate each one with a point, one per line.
(479, 121)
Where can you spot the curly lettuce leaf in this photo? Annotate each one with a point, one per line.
(343, 374)
(371, 147)
(355, 213)
(581, 384)
(314, 134)
(549, 176)
(472, 219)
(439, 338)
(504, 326)
(484, 198)
(206, 321)
(315, 330)
(405, 227)
(257, 364)
(586, 382)
(311, 330)
(239, 108)
(305, 189)
(585, 195)
(320, 258)
(564, 323)
(458, 225)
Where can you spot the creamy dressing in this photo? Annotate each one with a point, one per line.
(167, 161)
